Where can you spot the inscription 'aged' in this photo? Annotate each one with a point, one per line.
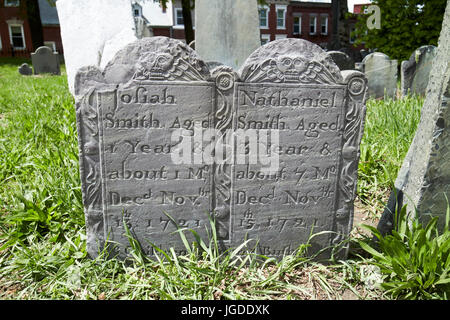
(287, 125)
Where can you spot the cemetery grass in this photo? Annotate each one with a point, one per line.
(42, 231)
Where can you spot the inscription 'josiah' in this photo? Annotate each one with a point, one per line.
(142, 95)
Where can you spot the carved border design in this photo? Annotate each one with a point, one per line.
(90, 173)
(222, 180)
(353, 131)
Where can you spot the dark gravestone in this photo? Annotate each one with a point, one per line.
(342, 60)
(416, 71)
(25, 69)
(45, 61)
(381, 73)
(271, 152)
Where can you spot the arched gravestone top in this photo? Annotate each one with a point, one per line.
(415, 72)
(342, 60)
(381, 72)
(127, 115)
(296, 55)
(45, 61)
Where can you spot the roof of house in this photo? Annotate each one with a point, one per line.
(48, 12)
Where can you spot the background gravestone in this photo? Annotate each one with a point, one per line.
(416, 71)
(25, 69)
(381, 73)
(127, 115)
(45, 61)
(226, 31)
(342, 60)
(423, 180)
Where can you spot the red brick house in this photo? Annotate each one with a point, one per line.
(15, 30)
(296, 19)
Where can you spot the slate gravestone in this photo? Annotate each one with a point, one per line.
(342, 60)
(45, 61)
(271, 151)
(416, 71)
(25, 69)
(381, 73)
(423, 180)
(232, 46)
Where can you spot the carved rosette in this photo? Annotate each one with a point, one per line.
(353, 131)
(221, 202)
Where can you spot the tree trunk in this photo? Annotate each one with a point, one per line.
(340, 36)
(34, 20)
(187, 19)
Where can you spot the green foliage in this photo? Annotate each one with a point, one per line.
(389, 128)
(405, 26)
(415, 260)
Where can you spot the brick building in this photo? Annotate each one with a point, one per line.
(15, 32)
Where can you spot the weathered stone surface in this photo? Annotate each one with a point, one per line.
(25, 69)
(423, 180)
(381, 72)
(45, 61)
(342, 60)
(136, 117)
(242, 37)
(93, 31)
(416, 71)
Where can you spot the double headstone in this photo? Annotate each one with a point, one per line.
(416, 71)
(268, 153)
(381, 73)
(45, 61)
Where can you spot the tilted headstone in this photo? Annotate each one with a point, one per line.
(45, 61)
(342, 60)
(423, 180)
(93, 31)
(381, 73)
(232, 46)
(416, 71)
(271, 151)
(25, 69)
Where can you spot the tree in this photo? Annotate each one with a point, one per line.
(405, 26)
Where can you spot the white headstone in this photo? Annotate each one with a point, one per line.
(226, 31)
(93, 31)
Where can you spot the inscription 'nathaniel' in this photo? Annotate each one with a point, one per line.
(279, 98)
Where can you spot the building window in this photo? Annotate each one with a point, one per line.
(17, 37)
(281, 17)
(51, 45)
(264, 17)
(280, 36)
(312, 24)
(265, 38)
(179, 17)
(352, 33)
(12, 3)
(297, 25)
(324, 25)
